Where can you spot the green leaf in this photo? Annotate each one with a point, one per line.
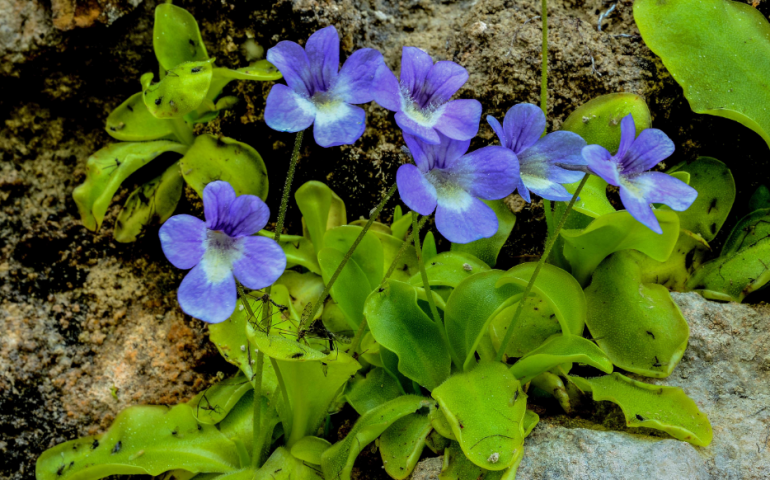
(213, 404)
(309, 449)
(261, 70)
(238, 426)
(557, 350)
(337, 462)
(552, 384)
(223, 158)
(742, 267)
(145, 440)
(428, 247)
(441, 424)
(321, 208)
(531, 420)
(487, 249)
(716, 194)
(705, 44)
(399, 324)
(448, 269)
(663, 408)
(389, 362)
(458, 467)
(436, 442)
(592, 202)
(407, 263)
(351, 288)
(401, 225)
(298, 251)
(179, 92)
(760, 199)
(598, 120)
(402, 443)
(638, 325)
(537, 323)
(156, 199)
(283, 466)
(585, 249)
(485, 409)
(175, 37)
(369, 255)
(132, 122)
(107, 169)
(368, 393)
(303, 288)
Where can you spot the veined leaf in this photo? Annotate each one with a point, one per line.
(556, 351)
(351, 288)
(179, 92)
(402, 443)
(213, 404)
(309, 449)
(176, 37)
(321, 209)
(132, 122)
(448, 269)
(368, 393)
(368, 255)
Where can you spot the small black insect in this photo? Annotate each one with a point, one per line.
(639, 417)
(60, 470)
(651, 334)
(117, 447)
(176, 430)
(200, 427)
(380, 290)
(191, 42)
(129, 107)
(657, 363)
(298, 355)
(158, 100)
(196, 69)
(95, 444)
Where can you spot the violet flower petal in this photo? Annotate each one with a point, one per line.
(183, 240)
(460, 218)
(217, 198)
(262, 262)
(490, 173)
(204, 300)
(444, 80)
(411, 127)
(415, 65)
(323, 53)
(460, 119)
(627, 135)
(524, 124)
(523, 191)
(385, 89)
(291, 60)
(658, 187)
(415, 190)
(248, 215)
(651, 147)
(640, 209)
(601, 163)
(354, 83)
(540, 170)
(288, 111)
(442, 155)
(498, 129)
(339, 124)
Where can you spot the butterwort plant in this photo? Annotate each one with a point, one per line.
(318, 92)
(221, 250)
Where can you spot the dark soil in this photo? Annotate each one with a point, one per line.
(83, 314)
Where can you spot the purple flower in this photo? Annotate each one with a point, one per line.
(539, 158)
(318, 92)
(627, 169)
(421, 98)
(220, 248)
(451, 182)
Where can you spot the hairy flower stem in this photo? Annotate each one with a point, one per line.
(544, 65)
(268, 307)
(423, 273)
(543, 258)
(362, 327)
(374, 214)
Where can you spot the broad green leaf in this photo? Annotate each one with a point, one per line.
(436, 442)
(531, 420)
(303, 288)
(298, 251)
(402, 443)
(309, 449)
(132, 122)
(471, 306)
(592, 201)
(370, 350)
(552, 384)
(400, 325)
(351, 288)
(689, 253)
(213, 404)
(321, 209)
(175, 37)
(368, 255)
(238, 426)
(637, 324)
(156, 199)
(537, 323)
(742, 268)
(441, 424)
(485, 409)
(390, 362)
(458, 467)
(223, 158)
(716, 194)
(282, 465)
(705, 44)
(261, 70)
(107, 169)
(377, 388)
(585, 249)
(143, 440)
(375, 227)
(487, 249)
(406, 266)
(558, 288)
(337, 462)
(557, 350)
(449, 269)
(653, 406)
(180, 92)
(598, 120)
(401, 225)
(428, 247)
(760, 199)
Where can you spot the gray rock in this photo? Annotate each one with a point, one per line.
(726, 370)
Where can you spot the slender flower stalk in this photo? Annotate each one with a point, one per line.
(544, 67)
(305, 319)
(540, 263)
(423, 273)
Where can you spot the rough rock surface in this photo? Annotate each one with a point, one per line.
(83, 314)
(726, 370)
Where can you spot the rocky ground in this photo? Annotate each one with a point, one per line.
(91, 325)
